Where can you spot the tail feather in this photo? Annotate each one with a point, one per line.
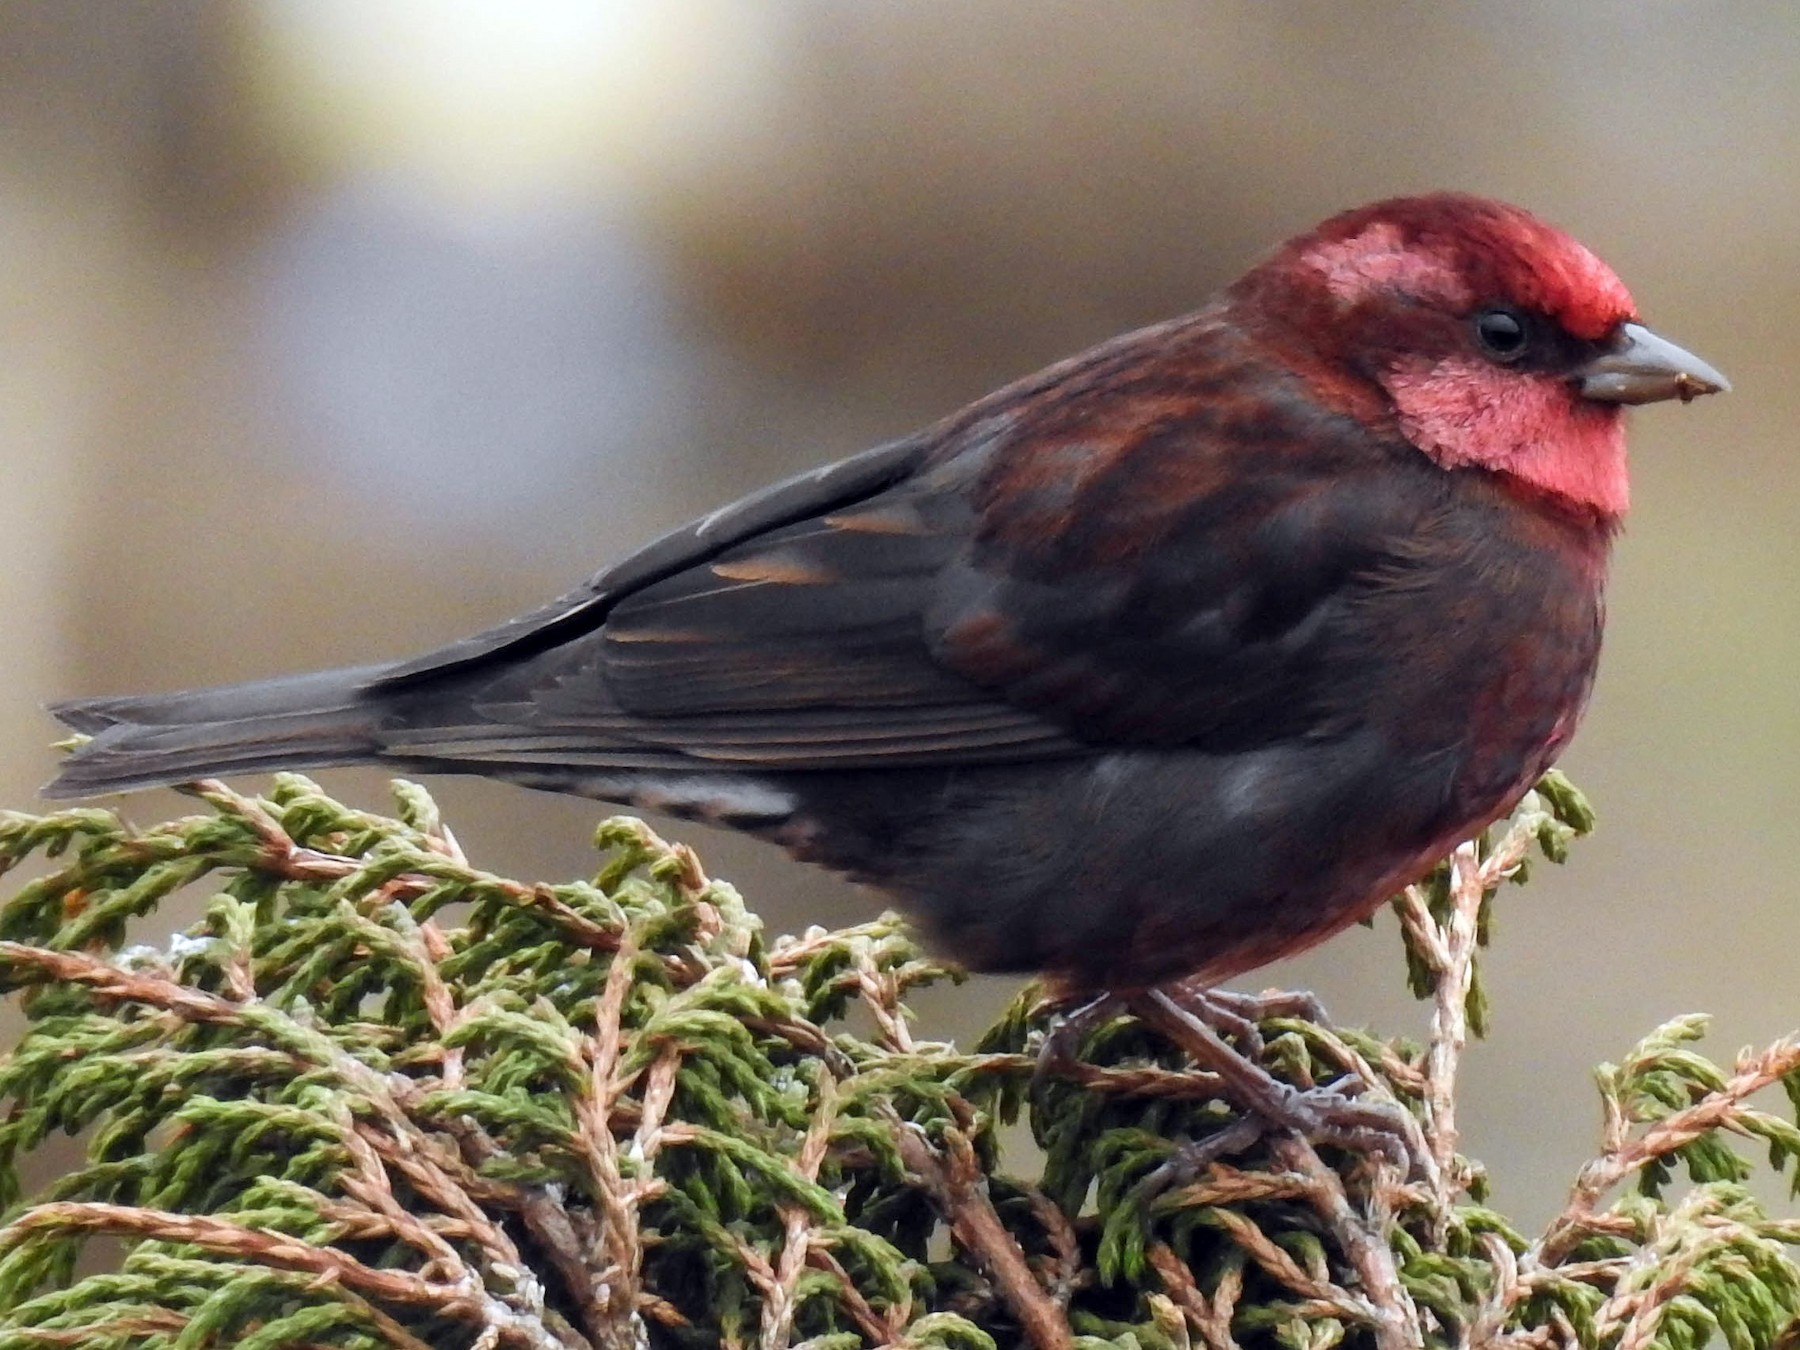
(301, 721)
(335, 717)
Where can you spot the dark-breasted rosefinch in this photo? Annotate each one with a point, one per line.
(1169, 660)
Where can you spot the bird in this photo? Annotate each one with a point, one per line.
(1160, 664)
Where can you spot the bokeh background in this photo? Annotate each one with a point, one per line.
(331, 329)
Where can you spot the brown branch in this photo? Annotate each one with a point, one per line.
(368, 1182)
(1065, 1274)
(360, 1224)
(1631, 1313)
(879, 1330)
(779, 1304)
(1287, 1272)
(1209, 1317)
(958, 1188)
(1451, 959)
(547, 1222)
(1224, 1184)
(436, 1171)
(1449, 951)
(1634, 1314)
(881, 995)
(615, 1287)
(131, 986)
(389, 1326)
(1390, 1309)
(284, 857)
(463, 1300)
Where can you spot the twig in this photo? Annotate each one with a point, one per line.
(1390, 1309)
(959, 1189)
(1751, 1074)
(548, 1224)
(779, 1304)
(463, 1300)
(1209, 1317)
(613, 1288)
(1449, 951)
(285, 857)
(1450, 1011)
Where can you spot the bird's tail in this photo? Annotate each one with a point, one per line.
(299, 721)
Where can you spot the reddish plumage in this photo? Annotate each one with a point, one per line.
(1173, 658)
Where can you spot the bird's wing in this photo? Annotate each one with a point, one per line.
(782, 631)
(585, 608)
(1089, 567)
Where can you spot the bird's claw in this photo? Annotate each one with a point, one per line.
(1192, 1157)
(1328, 1115)
(1270, 1003)
(1061, 1049)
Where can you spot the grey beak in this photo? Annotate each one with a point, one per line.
(1640, 367)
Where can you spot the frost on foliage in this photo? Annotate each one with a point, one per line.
(380, 1098)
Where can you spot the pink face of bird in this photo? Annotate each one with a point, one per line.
(1489, 332)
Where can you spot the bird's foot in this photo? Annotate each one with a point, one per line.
(1334, 1115)
(1075, 1018)
(1231, 1014)
(1219, 1031)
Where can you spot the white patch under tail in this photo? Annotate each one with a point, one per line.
(739, 803)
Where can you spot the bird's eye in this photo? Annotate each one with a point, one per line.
(1502, 333)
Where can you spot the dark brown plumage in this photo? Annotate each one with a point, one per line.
(1171, 659)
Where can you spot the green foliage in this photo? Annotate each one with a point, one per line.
(379, 1098)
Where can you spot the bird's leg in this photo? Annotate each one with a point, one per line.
(1233, 1015)
(1062, 1043)
(1328, 1115)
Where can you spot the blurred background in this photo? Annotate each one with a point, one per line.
(332, 329)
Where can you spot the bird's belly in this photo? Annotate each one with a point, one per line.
(1142, 866)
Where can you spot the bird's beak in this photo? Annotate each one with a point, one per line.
(1639, 367)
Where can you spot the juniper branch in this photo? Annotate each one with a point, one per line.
(608, 1113)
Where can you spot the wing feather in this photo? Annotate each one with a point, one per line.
(581, 610)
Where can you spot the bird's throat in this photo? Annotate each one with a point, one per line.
(1534, 428)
